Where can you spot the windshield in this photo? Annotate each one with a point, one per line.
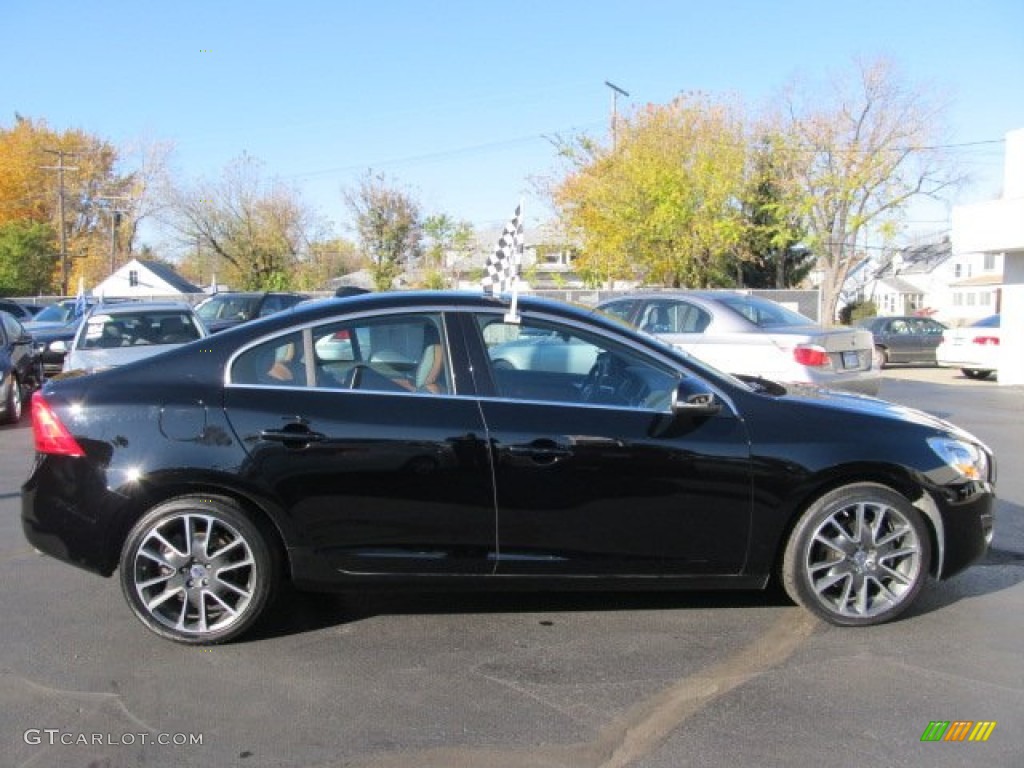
(55, 314)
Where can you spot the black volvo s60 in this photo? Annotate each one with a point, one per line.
(378, 439)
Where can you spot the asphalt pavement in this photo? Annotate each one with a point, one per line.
(495, 680)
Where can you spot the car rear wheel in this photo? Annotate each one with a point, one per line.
(881, 357)
(14, 401)
(197, 569)
(974, 373)
(859, 555)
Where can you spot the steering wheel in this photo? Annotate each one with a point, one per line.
(590, 389)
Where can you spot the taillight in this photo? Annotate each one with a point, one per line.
(986, 340)
(50, 434)
(812, 357)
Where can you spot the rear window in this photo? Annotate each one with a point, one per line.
(108, 331)
(992, 321)
(764, 313)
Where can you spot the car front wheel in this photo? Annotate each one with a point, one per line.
(197, 569)
(859, 555)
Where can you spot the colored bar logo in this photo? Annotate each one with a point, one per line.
(958, 730)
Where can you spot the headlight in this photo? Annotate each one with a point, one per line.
(968, 460)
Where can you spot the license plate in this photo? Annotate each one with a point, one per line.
(851, 360)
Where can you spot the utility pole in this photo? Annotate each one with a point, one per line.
(615, 112)
(60, 168)
(115, 213)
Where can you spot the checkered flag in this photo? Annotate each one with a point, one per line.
(503, 264)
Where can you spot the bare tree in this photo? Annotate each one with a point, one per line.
(862, 150)
(257, 231)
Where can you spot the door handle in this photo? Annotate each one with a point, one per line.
(301, 435)
(541, 451)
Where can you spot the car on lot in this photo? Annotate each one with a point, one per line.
(974, 349)
(21, 370)
(741, 333)
(54, 328)
(904, 338)
(231, 308)
(23, 313)
(116, 334)
(409, 459)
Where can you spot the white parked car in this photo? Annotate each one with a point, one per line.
(974, 349)
(752, 336)
(115, 334)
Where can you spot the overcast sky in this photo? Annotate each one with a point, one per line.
(455, 100)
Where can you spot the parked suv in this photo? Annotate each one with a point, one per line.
(225, 310)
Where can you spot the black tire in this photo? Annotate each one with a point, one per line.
(198, 570)
(881, 357)
(14, 404)
(974, 373)
(857, 556)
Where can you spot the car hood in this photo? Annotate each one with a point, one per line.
(807, 396)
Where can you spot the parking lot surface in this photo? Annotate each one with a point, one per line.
(602, 679)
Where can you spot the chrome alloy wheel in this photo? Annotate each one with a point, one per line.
(857, 556)
(864, 559)
(194, 573)
(198, 569)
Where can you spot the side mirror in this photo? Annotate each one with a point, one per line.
(690, 402)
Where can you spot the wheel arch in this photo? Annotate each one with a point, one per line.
(895, 478)
(255, 505)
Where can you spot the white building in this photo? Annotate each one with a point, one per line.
(995, 231)
(144, 280)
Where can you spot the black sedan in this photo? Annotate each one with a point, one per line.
(370, 441)
(20, 368)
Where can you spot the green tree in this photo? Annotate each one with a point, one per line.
(663, 203)
(30, 191)
(862, 148)
(774, 230)
(388, 222)
(258, 232)
(448, 240)
(27, 258)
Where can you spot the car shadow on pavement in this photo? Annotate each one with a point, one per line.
(299, 612)
(1001, 568)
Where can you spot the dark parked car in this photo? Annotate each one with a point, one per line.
(23, 313)
(54, 328)
(904, 338)
(225, 310)
(371, 441)
(745, 334)
(20, 368)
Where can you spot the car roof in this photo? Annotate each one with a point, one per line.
(134, 307)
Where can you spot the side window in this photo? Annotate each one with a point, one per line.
(622, 309)
(540, 360)
(276, 363)
(675, 317)
(271, 304)
(11, 327)
(397, 353)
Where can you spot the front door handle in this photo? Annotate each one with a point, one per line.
(297, 435)
(540, 451)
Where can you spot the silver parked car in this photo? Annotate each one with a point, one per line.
(116, 334)
(748, 335)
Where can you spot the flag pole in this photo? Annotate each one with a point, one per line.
(512, 316)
